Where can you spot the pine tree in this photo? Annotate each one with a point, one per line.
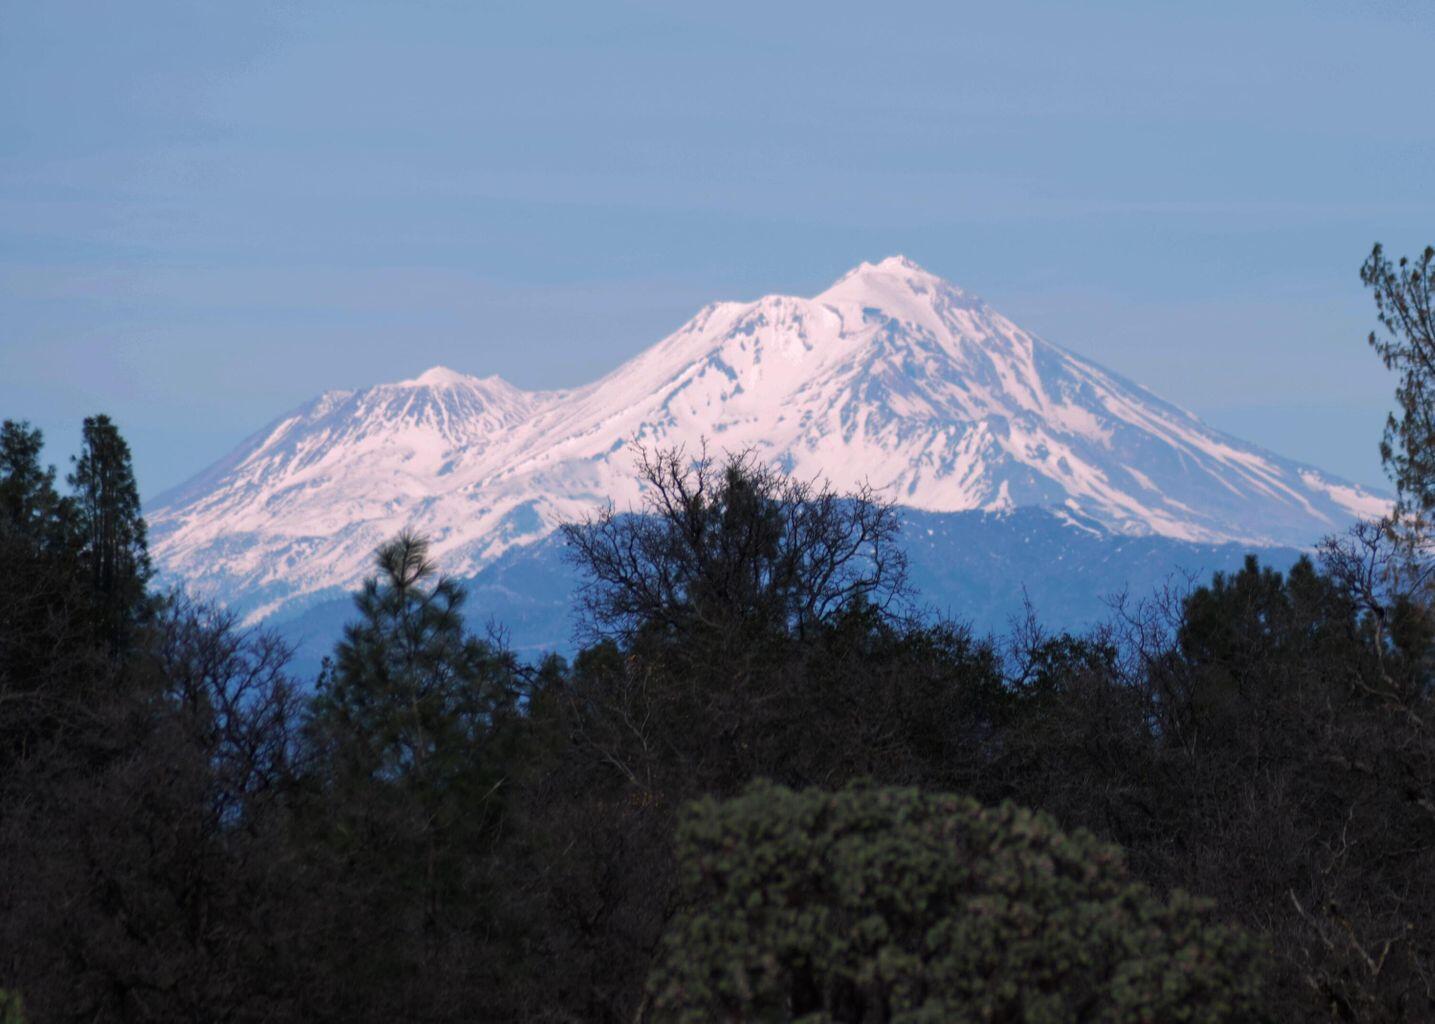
(1405, 306)
(29, 504)
(111, 530)
(49, 657)
(412, 785)
(410, 687)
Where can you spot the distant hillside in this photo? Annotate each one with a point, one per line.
(971, 566)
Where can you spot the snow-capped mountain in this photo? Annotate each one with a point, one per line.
(892, 376)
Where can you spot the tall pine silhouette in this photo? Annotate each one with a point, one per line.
(111, 531)
(404, 719)
(1405, 305)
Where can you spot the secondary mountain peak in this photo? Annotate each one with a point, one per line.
(447, 385)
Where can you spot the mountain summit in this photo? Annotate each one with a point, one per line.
(892, 376)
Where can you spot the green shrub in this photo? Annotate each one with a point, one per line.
(12, 1010)
(892, 905)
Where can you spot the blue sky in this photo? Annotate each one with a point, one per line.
(211, 212)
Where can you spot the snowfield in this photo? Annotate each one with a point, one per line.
(892, 377)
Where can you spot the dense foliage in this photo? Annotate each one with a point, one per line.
(433, 831)
(891, 905)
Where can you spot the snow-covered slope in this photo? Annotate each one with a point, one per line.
(892, 376)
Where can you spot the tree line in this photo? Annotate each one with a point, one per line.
(767, 787)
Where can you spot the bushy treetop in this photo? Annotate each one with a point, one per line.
(874, 904)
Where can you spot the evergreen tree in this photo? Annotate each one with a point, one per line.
(112, 531)
(29, 505)
(1405, 305)
(411, 784)
(1390, 567)
(410, 689)
(49, 661)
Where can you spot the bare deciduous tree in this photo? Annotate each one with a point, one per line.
(719, 542)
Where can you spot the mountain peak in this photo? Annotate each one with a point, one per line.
(439, 377)
(899, 264)
(886, 280)
(899, 286)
